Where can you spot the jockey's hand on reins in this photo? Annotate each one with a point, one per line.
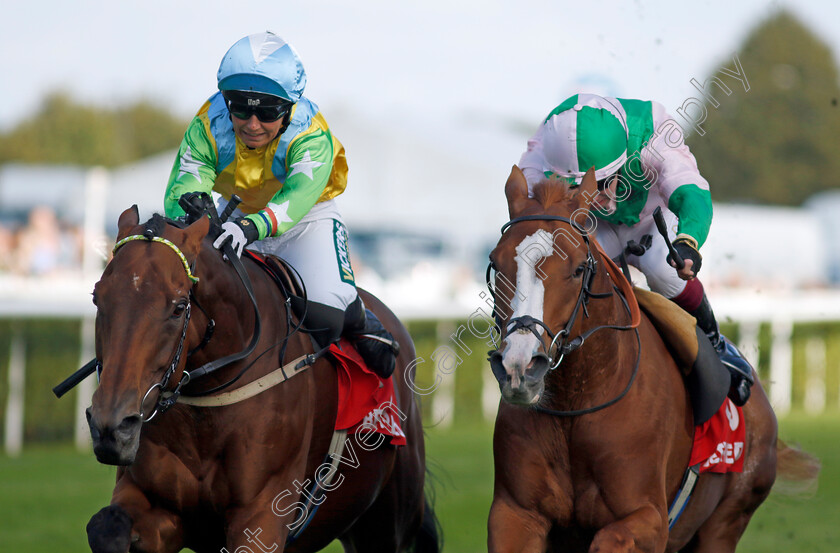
(692, 259)
(239, 232)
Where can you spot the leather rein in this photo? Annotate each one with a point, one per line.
(166, 401)
(560, 344)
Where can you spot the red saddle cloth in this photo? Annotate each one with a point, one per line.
(719, 442)
(366, 403)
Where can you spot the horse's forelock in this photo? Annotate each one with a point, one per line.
(158, 223)
(551, 192)
(155, 225)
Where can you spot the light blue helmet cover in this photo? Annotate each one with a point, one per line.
(263, 63)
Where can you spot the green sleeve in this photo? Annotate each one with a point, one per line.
(309, 164)
(194, 169)
(693, 207)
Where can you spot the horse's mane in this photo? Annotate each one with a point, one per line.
(549, 192)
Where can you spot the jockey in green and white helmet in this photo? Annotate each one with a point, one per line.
(585, 136)
(641, 162)
(260, 138)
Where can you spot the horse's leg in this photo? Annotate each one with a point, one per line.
(722, 530)
(131, 521)
(256, 526)
(745, 491)
(109, 530)
(388, 522)
(512, 528)
(643, 530)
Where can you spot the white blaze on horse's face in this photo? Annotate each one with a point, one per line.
(522, 345)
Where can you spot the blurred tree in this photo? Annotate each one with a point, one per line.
(64, 131)
(776, 143)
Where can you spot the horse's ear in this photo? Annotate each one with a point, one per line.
(194, 234)
(516, 190)
(129, 219)
(588, 189)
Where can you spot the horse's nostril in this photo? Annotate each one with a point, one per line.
(128, 427)
(538, 366)
(129, 423)
(497, 367)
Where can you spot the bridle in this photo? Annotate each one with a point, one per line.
(560, 344)
(164, 403)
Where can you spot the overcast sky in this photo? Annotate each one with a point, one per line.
(392, 60)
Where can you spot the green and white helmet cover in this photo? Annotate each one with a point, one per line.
(585, 131)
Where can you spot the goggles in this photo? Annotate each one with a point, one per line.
(266, 114)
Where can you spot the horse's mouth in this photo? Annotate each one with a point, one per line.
(521, 396)
(107, 454)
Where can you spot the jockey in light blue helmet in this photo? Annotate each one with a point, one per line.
(260, 138)
(263, 63)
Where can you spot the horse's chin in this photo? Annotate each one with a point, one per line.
(108, 453)
(523, 395)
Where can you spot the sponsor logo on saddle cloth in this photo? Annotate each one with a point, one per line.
(384, 421)
(342, 252)
(719, 442)
(366, 403)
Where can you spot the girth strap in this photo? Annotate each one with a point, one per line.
(332, 459)
(683, 495)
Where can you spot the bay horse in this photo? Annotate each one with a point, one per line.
(594, 430)
(233, 478)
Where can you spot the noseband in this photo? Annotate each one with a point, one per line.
(560, 344)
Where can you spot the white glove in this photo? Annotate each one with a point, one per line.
(232, 230)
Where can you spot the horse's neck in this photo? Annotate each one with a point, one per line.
(224, 299)
(606, 356)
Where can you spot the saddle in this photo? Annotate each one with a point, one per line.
(707, 379)
(366, 402)
(329, 321)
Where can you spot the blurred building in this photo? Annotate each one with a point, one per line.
(424, 212)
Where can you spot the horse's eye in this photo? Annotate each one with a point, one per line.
(93, 298)
(579, 271)
(180, 307)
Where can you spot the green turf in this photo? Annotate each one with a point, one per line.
(48, 494)
(804, 522)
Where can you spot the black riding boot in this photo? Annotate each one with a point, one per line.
(730, 356)
(374, 343)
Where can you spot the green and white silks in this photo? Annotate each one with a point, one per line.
(657, 168)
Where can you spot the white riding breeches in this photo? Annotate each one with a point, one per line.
(661, 276)
(317, 247)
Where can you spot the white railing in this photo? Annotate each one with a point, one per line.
(38, 298)
(746, 308)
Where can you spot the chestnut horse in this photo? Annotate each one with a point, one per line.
(234, 478)
(599, 471)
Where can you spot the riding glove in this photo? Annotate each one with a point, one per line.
(687, 250)
(240, 232)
